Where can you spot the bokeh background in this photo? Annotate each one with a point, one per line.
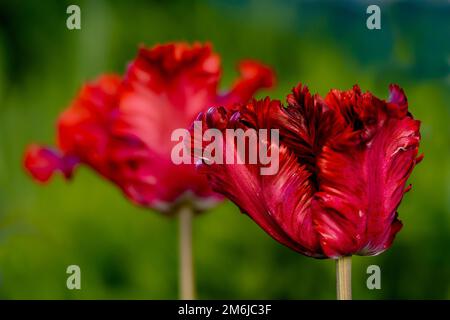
(131, 253)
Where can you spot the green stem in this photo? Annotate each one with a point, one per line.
(344, 278)
(186, 269)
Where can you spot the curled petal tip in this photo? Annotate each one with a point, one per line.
(299, 95)
(42, 162)
(257, 71)
(356, 89)
(253, 76)
(396, 94)
(419, 158)
(178, 55)
(398, 99)
(216, 118)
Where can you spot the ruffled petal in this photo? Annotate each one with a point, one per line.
(253, 76)
(84, 128)
(397, 101)
(306, 124)
(42, 162)
(361, 186)
(279, 203)
(82, 133)
(165, 88)
(152, 180)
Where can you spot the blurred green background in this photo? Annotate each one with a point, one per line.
(129, 252)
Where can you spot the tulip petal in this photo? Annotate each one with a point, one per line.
(279, 203)
(83, 128)
(254, 76)
(42, 162)
(306, 124)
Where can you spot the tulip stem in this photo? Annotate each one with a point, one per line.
(344, 278)
(186, 270)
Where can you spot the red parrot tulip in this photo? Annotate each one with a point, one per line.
(343, 165)
(121, 126)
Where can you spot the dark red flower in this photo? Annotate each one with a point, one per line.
(121, 127)
(343, 165)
